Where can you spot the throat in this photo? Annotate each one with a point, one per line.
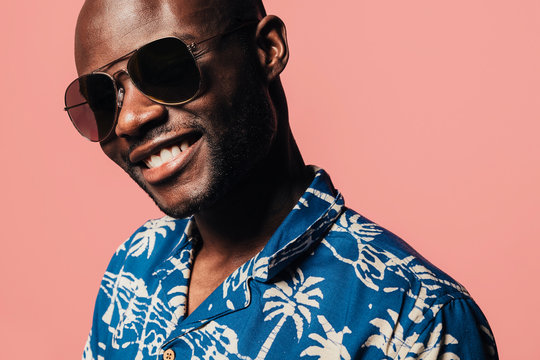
(238, 227)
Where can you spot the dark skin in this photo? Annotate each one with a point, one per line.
(237, 206)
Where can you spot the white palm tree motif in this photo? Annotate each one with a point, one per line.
(372, 264)
(368, 265)
(177, 300)
(332, 347)
(237, 278)
(156, 326)
(213, 341)
(119, 288)
(290, 302)
(365, 231)
(181, 263)
(148, 320)
(392, 343)
(145, 240)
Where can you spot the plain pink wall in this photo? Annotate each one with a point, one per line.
(426, 113)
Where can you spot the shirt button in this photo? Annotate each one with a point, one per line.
(169, 354)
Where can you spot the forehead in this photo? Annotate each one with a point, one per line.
(108, 29)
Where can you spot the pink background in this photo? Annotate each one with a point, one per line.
(425, 112)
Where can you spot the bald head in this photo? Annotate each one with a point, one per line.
(237, 121)
(111, 21)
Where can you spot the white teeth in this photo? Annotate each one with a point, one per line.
(184, 146)
(155, 161)
(165, 155)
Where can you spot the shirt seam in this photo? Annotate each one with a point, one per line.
(426, 326)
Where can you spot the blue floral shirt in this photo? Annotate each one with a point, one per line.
(329, 284)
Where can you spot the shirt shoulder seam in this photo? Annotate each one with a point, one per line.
(427, 325)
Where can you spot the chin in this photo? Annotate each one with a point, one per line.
(179, 211)
(183, 200)
(233, 151)
(182, 207)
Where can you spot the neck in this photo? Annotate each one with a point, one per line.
(240, 224)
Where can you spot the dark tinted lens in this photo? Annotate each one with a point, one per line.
(165, 71)
(91, 105)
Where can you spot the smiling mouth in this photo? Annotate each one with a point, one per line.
(169, 153)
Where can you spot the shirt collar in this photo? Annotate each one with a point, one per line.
(312, 217)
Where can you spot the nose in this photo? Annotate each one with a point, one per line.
(136, 111)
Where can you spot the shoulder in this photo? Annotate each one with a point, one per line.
(400, 301)
(385, 258)
(384, 274)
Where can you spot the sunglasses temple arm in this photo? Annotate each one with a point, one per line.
(193, 45)
(72, 106)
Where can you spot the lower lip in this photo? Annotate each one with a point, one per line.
(161, 173)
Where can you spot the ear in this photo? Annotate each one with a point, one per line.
(272, 48)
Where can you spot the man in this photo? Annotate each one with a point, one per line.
(258, 257)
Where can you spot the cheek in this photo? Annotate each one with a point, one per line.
(113, 152)
(228, 74)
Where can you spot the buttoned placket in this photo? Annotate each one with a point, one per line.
(215, 306)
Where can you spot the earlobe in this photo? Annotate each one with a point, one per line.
(272, 48)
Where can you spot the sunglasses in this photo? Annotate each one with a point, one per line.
(164, 70)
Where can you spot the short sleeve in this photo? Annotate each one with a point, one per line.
(459, 331)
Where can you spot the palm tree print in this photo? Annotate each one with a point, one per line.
(221, 343)
(391, 340)
(332, 347)
(119, 289)
(145, 240)
(290, 302)
(149, 319)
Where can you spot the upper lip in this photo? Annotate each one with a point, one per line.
(151, 147)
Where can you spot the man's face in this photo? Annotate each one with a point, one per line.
(214, 139)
